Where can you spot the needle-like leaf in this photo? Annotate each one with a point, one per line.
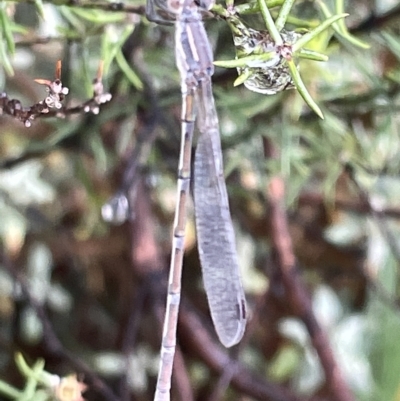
(269, 22)
(242, 78)
(302, 89)
(315, 32)
(312, 55)
(283, 14)
(39, 8)
(128, 71)
(248, 61)
(340, 27)
(5, 26)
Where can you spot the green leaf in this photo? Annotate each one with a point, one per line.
(254, 8)
(9, 391)
(248, 61)
(5, 60)
(98, 17)
(307, 24)
(283, 14)
(5, 25)
(315, 32)
(17, 28)
(340, 27)
(68, 33)
(312, 55)
(39, 8)
(110, 49)
(269, 22)
(72, 19)
(33, 376)
(242, 78)
(302, 88)
(25, 369)
(127, 70)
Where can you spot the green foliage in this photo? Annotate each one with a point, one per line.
(56, 175)
(41, 385)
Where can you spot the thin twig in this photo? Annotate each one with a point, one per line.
(115, 6)
(50, 340)
(52, 105)
(199, 341)
(297, 295)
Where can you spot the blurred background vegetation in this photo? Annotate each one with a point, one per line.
(88, 297)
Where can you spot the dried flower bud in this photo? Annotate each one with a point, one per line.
(56, 93)
(70, 389)
(103, 98)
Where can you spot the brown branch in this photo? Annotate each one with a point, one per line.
(51, 106)
(199, 341)
(297, 295)
(114, 6)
